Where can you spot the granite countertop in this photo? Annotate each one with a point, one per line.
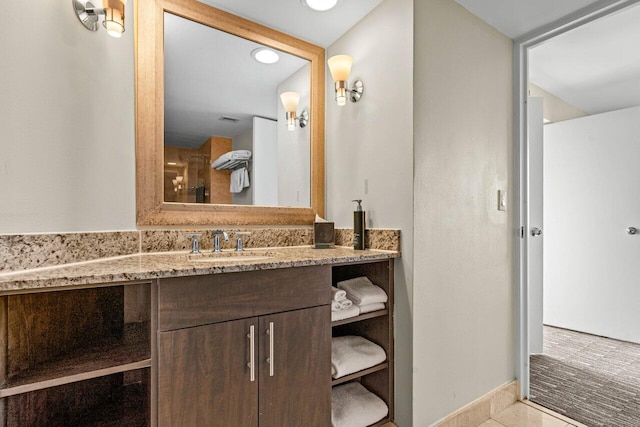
(138, 267)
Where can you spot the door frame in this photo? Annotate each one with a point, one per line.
(521, 46)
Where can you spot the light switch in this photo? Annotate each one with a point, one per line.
(502, 200)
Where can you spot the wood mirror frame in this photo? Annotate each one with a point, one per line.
(151, 209)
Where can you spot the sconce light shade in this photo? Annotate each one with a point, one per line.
(290, 101)
(340, 67)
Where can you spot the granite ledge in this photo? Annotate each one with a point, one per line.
(140, 267)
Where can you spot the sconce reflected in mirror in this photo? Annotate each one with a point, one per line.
(340, 67)
(290, 101)
(113, 13)
(177, 183)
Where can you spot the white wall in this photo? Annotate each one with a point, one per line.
(555, 109)
(265, 162)
(591, 265)
(373, 140)
(67, 149)
(294, 147)
(464, 334)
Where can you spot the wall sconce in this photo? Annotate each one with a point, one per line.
(290, 101)
(177, 183)
(113, 13)
(340, 67)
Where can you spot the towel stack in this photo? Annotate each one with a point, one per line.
(351, 354)
(364, 294)
(352, 405)
(341, 307)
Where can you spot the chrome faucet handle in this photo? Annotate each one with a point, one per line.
(239, 243)
(195, 244)
(216, 239)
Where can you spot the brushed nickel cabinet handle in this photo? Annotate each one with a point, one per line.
(252, 348)
(271, 349)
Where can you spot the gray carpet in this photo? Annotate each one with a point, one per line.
(591, 379)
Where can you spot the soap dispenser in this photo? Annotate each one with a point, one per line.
(358, 226)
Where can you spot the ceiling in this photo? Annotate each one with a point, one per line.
(200, 86)
(293, 17)
(595, 67)
(515, 18)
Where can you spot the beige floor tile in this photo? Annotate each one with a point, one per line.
(521, 415)
(491, 423)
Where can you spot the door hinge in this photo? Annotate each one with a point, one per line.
(522, 232)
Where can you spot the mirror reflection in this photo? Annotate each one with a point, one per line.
(227, 139)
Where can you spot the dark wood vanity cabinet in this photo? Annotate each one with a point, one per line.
(270, 369)
(203, 377)
(233, 349)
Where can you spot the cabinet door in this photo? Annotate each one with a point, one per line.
(295, 368)
(203, 377)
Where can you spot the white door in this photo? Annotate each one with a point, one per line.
(535, 221)
(591, 208)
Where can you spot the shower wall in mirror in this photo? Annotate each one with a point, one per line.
(225, 133)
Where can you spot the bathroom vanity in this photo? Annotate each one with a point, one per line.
(165, 340)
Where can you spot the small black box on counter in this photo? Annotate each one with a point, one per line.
(324, 235)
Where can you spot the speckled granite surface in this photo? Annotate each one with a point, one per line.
(20, 252)
(171, 240)
(376, 238)
(152, 266)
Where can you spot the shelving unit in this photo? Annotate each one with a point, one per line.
(376, 326)
(70, 356)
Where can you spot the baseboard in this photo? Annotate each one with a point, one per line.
(483, 408)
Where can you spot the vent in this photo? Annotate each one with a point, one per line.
(229, 119)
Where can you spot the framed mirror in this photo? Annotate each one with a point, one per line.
(185, 120)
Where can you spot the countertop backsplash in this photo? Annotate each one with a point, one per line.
(27, 251)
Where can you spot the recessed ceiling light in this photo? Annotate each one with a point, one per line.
(320, 5)
(264, 55)
(172, 163)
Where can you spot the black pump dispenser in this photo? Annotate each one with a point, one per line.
(358, 226)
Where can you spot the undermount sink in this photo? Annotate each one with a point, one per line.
(231, 256)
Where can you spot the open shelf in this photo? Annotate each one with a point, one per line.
(360, 374)
(121, 399)
(112, 355)
(365, 316)
(376, 326)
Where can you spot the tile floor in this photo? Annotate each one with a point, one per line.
(525, 415)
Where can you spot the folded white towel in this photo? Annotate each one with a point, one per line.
(338, 294)
(352, 405)
(353, 311)
(229, 156)
(371, 307)
(353, 353)
(237, 181)
(362, 292)
(335, 306)
(345, 303)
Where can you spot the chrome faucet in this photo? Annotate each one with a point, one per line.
(195, 245)
(216, 240)
(239, 243)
